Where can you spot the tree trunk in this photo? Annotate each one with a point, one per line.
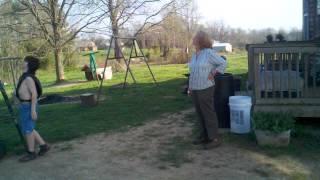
(59, 65)
(119, 66)
(117, 50)
(117, 47)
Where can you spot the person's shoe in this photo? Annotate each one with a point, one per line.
(212, 144)
(199, 141)
(28, 157)
(43, 149)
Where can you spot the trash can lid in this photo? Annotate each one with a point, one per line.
(239, 100)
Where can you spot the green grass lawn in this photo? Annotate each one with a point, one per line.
(133, 106)
(122, 108)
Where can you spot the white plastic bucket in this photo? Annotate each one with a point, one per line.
(240, 107)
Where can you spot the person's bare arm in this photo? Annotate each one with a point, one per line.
(32, 89)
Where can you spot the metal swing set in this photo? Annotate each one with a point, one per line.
(135, 52)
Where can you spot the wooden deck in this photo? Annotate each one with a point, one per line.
(285, 77)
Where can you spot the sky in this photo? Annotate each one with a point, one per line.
(253, 14)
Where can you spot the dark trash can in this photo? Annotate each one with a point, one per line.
(224, 87)
(186, 86)
(236, 83)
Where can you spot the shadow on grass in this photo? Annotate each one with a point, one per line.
(122, 108)
(304, 144)
(302, 153)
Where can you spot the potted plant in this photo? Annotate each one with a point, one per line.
(87, 71)
(273, 128)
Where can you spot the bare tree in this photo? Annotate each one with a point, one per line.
(58, 22)
(9, 39)
(218, 30)
(178, 27)
(124, 13)
(191, 17)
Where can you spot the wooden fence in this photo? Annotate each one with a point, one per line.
(283, 75)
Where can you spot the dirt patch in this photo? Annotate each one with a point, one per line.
(160, 149)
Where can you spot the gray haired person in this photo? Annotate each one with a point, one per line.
(204, 65)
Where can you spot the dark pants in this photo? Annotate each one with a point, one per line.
(204, 103)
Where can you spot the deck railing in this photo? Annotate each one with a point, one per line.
(285, 73)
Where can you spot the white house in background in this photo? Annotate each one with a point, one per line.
(226, 47)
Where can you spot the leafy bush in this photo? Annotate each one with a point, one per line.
(274, 122)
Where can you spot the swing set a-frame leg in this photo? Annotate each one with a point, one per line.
(144, 59)
(13, 117)
(128, 68)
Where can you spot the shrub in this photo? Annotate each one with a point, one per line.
(274, 122)
(178, 56)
